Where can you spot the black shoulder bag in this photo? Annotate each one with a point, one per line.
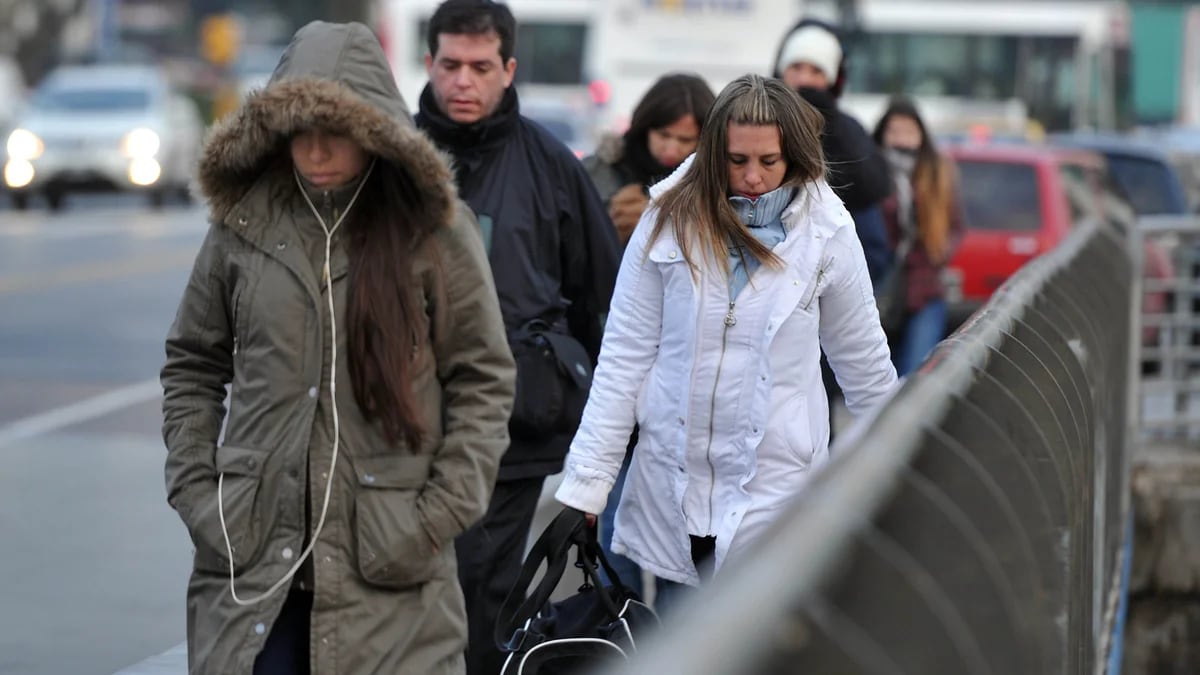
(554, 374)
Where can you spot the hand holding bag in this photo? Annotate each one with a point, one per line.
(597, 625)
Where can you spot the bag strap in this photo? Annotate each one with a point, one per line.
(597, 553)
(552, 547)
(590, 553)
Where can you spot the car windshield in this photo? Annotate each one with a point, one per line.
(1147, 184)
(999, 195)
(80, 99)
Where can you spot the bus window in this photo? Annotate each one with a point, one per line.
(933, 65)
(546, 53)
(550, 53)
(1039, 70)
(1048, 84)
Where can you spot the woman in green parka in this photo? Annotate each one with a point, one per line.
(343, 295)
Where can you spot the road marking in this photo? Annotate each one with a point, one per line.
(100, 271)
(103, 222)
(171, 662)
(82, 411)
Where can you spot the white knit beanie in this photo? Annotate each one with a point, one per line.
(814, 45)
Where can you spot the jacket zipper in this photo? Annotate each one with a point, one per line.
(817, 284)
(730, 321)
(237, 305)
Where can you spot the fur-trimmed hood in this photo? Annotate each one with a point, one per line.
(335, 77)
(611, 148)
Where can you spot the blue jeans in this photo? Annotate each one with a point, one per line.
(922, 331)
(630, 573)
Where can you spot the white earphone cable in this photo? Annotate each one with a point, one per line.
(328, 280)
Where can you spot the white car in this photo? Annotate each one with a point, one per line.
(103, 128)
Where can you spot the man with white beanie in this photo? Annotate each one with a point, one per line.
(811, 60)
(813, 53)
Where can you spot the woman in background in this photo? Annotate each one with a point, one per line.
(924, 222)
(664, 130)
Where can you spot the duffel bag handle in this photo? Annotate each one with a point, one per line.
(553, 547)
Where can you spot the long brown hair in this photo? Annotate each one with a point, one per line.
(387, 317)
(934, 183)
(698, 207)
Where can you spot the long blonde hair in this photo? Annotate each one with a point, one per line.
(698, 208)
(935, 183)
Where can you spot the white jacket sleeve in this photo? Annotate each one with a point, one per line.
(627, 352)
(851, 335)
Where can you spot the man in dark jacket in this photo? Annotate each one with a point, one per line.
(554, 256)
(811, 60)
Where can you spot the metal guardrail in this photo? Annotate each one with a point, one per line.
(975, 523)
(1171, 372)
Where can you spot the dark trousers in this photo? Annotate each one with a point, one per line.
(286, 649)
(703, 551)
(668, 597)
(490, 555)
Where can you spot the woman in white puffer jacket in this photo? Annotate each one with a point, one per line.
(743, 267)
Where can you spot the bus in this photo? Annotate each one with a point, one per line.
(641, 40)
(1013, 66)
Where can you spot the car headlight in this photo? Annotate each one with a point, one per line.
(140, 143)
(24, 145)
(144, 171)
(18, 173)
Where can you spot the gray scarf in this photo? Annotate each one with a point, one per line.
(903, 163)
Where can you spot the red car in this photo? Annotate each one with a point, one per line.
(1020, 201)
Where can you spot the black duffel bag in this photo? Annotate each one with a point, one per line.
(554, 374)
(597, 625)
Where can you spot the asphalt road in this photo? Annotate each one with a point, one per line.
(94, 562)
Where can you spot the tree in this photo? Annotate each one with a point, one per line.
(32, 30)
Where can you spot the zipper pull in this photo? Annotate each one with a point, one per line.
(730, 319)
(817, 283)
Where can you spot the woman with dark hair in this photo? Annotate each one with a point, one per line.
(743, 268)
(662, 132)
(344, 297)
(924, 221)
